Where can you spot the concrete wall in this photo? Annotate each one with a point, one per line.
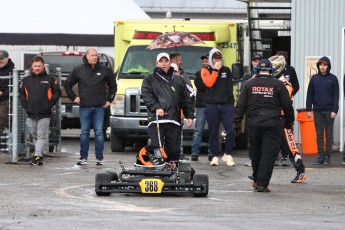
(317, 30)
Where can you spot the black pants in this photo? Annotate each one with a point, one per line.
(266, 142)
(170, 138)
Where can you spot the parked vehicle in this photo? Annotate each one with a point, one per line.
(128, 119)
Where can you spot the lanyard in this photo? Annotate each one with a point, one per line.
(169, 82)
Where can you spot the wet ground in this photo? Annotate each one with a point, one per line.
(60, 195)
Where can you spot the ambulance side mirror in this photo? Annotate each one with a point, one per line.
(237, 72)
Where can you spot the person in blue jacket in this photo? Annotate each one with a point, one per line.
(323, 99)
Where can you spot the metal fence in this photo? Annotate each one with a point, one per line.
(16, 139)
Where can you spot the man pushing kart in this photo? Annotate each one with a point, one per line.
(165, 95)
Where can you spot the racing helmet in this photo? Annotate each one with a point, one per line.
(150, 156)
(278, 63)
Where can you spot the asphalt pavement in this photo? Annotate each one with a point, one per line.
(60, 195)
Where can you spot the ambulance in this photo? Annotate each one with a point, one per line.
(133, 61)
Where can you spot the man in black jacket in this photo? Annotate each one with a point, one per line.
(165, 95)
(38, 93)
(262, 99)
(200, 117)
(97, 88)
(6, 68)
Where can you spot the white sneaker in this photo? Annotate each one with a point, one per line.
(228, 160)
(215, 161)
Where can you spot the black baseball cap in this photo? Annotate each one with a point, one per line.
(257, 56)
(204, 56)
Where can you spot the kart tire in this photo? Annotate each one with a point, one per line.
(201, 179)
(102, 178)
(113, 176)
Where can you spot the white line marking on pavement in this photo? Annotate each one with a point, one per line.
(112, 205)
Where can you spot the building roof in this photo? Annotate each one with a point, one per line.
(67, 16)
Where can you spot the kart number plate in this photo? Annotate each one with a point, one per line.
(151, 185)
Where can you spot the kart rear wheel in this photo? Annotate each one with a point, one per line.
(198, 180)
(102, 178)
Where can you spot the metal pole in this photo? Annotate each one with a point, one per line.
(58, 114)
(15, 116)
(26, 141)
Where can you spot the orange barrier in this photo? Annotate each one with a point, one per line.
(308, 133)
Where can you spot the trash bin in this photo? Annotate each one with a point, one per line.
(308, 132)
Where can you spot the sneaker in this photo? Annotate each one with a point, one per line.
(254, 185)
(284, 162)
(343, 162)
(82, 161)
(215, 161)
(276, 163)
(194, 157)
(248, 163)
(327, 161)
(40, 162)
(99, 162)
(262, 189)
(319, 161)
(300, 177)
(35, 160)
(228, 160)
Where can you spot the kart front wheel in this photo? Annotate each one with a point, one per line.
(102, 178)
(202, 181)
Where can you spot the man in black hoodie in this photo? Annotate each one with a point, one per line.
(6, 68)
(323, 99)
(97, 88)
(165, 95)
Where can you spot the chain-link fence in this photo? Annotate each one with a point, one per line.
(15, 139)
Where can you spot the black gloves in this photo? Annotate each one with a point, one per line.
(288, 125)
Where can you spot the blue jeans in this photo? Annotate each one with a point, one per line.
(200, 122)
(216, 114)
(91, 116)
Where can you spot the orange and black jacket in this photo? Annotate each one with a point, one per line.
(219, 85)
(38, 94)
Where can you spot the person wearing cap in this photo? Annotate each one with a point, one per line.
(219, 99)
(38, 93)
(323, 100)
(255, 60)
(6, 68)
(165, 95)
(200, 117)
(262, 99)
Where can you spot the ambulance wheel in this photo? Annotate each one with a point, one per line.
(102, 178)
(117, 145)
(200, 179)
(241, 141)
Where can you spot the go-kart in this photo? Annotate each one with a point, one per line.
(151, 175)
